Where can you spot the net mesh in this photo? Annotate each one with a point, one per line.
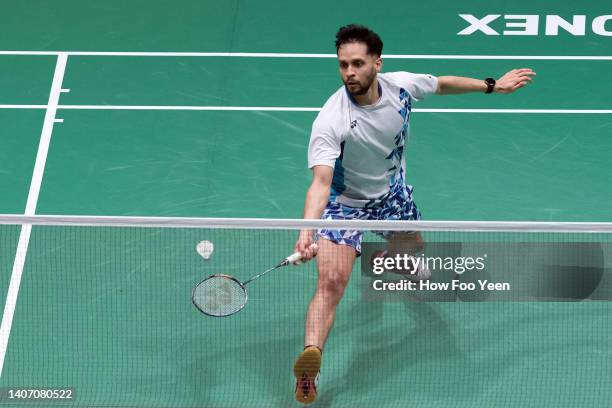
(106, 310)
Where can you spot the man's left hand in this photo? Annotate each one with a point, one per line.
(513, 80)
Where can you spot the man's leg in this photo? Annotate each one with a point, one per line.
(406, 242)
(335, 263)
(411, 244)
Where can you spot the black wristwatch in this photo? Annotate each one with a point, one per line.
(490, 82)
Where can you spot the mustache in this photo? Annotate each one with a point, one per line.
(352, 83)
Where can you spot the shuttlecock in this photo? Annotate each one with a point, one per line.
(205, 249)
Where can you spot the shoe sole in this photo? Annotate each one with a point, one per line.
(308, 364)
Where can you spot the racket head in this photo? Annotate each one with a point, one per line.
(219, 296)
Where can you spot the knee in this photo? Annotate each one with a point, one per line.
(332, 284)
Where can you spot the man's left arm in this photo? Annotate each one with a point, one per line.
(508, 83)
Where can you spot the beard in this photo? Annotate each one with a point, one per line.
(360, 87)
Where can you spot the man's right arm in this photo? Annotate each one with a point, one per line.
(318, 192)
(316, 200)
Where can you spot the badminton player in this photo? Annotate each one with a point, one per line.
(359, 171)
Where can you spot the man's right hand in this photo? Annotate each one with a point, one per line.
(304, 245)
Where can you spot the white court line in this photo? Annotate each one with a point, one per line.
(299, 109)
(24, 236)
(192, 108)
(541, 111)
(23, 106)
(302, 55)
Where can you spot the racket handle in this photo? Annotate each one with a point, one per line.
(296, 258)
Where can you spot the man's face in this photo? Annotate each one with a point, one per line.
(357, 68)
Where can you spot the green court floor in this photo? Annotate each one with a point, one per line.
(107, 310)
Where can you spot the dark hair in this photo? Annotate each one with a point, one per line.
(358, 33)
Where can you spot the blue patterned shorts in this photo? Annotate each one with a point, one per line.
(397, 206)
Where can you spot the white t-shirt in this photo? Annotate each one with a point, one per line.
(365, 144)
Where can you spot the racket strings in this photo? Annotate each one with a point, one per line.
(220, 296)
